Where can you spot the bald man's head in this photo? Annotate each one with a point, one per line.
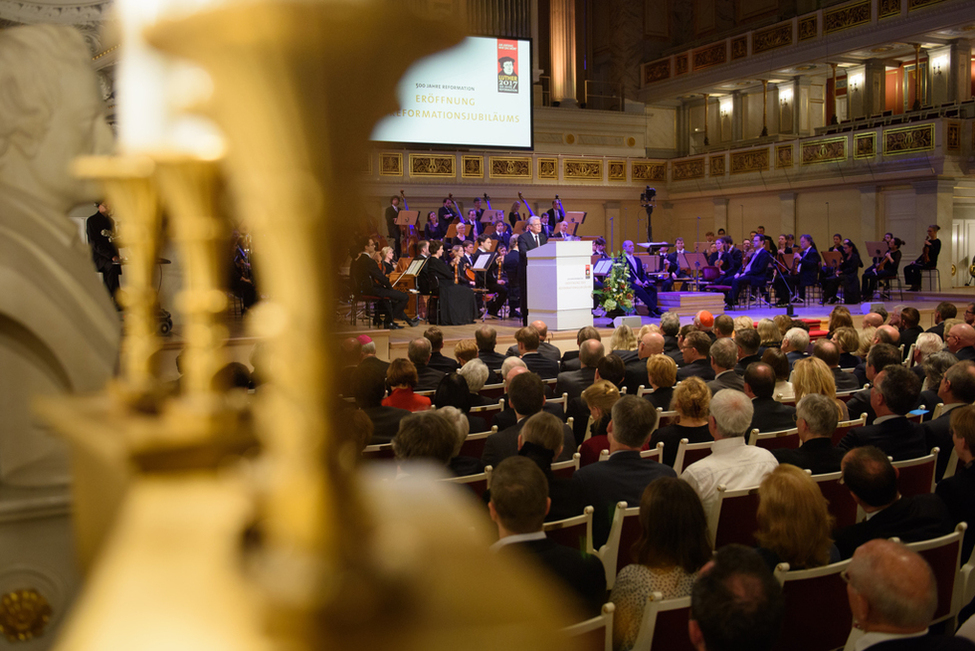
(887, 334)
(872, 320)
(891, 588)
(961, 336)
(542, 328)
(651, 344)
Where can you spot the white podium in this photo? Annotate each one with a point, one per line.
(560, 285)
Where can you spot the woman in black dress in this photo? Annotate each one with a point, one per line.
(847, 275)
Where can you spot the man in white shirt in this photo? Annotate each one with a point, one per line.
(731, 463)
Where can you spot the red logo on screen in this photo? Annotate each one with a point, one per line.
(507, 66)
(588, 272)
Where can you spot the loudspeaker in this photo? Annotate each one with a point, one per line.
(865, 308)
(634, 321)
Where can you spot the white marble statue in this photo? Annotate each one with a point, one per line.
(59, 331)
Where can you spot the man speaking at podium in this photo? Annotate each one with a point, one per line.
(532, 239)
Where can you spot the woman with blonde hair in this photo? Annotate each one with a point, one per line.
(674, 544)
(600, 398)
(794, 523)
(691, 401)
(811, 375)
(464, 351)
(848, 339)
(623, 339)
(770, 334)
(779, 362)
(866, 341)
(743, 322)
(662, 375)
(839, 318)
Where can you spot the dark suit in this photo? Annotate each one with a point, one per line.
(920, 517)
(859, 404)
(753, 275)
(567, 495)
(817, 455)
(507, 418)
(660, 398)
(937, 434)
(504, 444)
(635, 374)
(545, 349)
(849, 360)
(956, 492)
(897, 437)
(374, 364)
(104, 250)
(443, 363)
(700, 368)
(492, 360)
(428, 378)
(583, 574)
(526, 242)
(794, 356)
(622, 477)
(938, 330)
(772, 416)
(575, 382)
(385, 423)
(368, 279)
(909, 337)
(537, 363)
(968, 352)
(845, 381)
(570, 357)
(929, 642)
(671, 435)
(745, 361)
(727, 380)
(648, 292)
(670, 346)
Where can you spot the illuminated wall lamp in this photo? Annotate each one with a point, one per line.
(725, 107)
(939, 64)
(785, 96)
(856, 81)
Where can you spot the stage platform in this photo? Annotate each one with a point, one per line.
(687, 304)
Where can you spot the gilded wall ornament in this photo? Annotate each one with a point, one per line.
(711, 55)
(431, 165)
(830, 150)
(783, 156)
(656, 71)
(953, 136)
(755, 160)
(846, 16)
(510, 168)
(390, 164)
(548, 168)
(739, 47)
(687, 169)
(472, 167)
(617, 170)
(680, 64)
(889, 8)
(908, 139)
(582, 170)
(865, 145)
(646, 171)
(23, 615)
(917, 4)
(772, 38)
(807, 28)
(717, 165)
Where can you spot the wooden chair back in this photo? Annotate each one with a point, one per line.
(784, 439)
(473, 445)
(575, 532)
(844, 426)
(565, 469)
(664, 625)
(916, 476)
(595, 634)
(376, 452)
(842, 506)
(828, 624)
(734, 517)
(688, 453)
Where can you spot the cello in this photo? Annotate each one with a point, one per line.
(408, 233)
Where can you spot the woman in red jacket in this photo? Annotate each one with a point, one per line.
(401, 378)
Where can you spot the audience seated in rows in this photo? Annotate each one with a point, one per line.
(872, 481)
(724, 356)
(811, 375)
(600, 398)
(816, 419)
(768, 414)
(419, 352)
(893, 395)
(691, 401)
(519, 503)
(958, 491)
(696, 348)
(731, 463)
(401, 378)
(625, 475)
(829, 352)
(747, 340)
(438, 360)
(794, 523)
(674, 544)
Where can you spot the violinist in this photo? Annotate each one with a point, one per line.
(845, 274)
(805, 269)
(671, 265)
(391, 228)
(599, 248)
(928, 259)
(432, 229)
(492, 277)
(728, 260)
(886, 268)
(784, 247)
(386, 260)
(459, 261)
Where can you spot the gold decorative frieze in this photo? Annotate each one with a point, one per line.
(953, 136)
(23, 615)
(582, 169)
(739, 47)
(717, 165)
(755, 160)
(472, 167)
(830, 150)
(390, 164)
(905, 140)
(889, 8)
(680, 64)
(656, 71)
(438, 165)
(510, 167)
(643, 171)
(712, 55)
(617, 170)
(917, 4)
(807, 28)
(772, 38)
(686, 170)
(783, 156)
(865, 145)
(601, 140)
(847, 16)
(548, 168)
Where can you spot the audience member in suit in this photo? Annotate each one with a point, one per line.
(541, 441)
(893, 596)
(961, 341)
(935, 367)
(736, 603)
(829, 352)
(816, 419)
(527, 338)
(625, 475)
(873, 482)
(368, 352)
(957, 390)
(486, 338)
(662, 376)
(769, 415)
(527, 398)
(879, 357)
(747, 340)
(460, 465)
(642, 286)
(519, 503)
(574, 383)
(895, 392)
(945, 310)
(368, 388)
(927, 344)
(670, 327)
(570, 358)
(731, 463)
(599, 399)
(910, 318)
(651, 344)
(609, 368)
(425, 435)
(438, 360)
(545, 349)
(724, 356)
(507, 418)
(691, 401)
(419, 352)
(696, 348)
(957, 491)
(794, 344)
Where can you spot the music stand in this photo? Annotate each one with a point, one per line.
(482, 261)
(832, 259)
(702, 247)
(492, 215)
(652, 265)
(489, 230)
(603, 267)
(692, 261)
(876, 249)
(575, 217)
(451, 232)
(407, 217)
(519, 227)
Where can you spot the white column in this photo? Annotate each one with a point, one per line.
(563, 19)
